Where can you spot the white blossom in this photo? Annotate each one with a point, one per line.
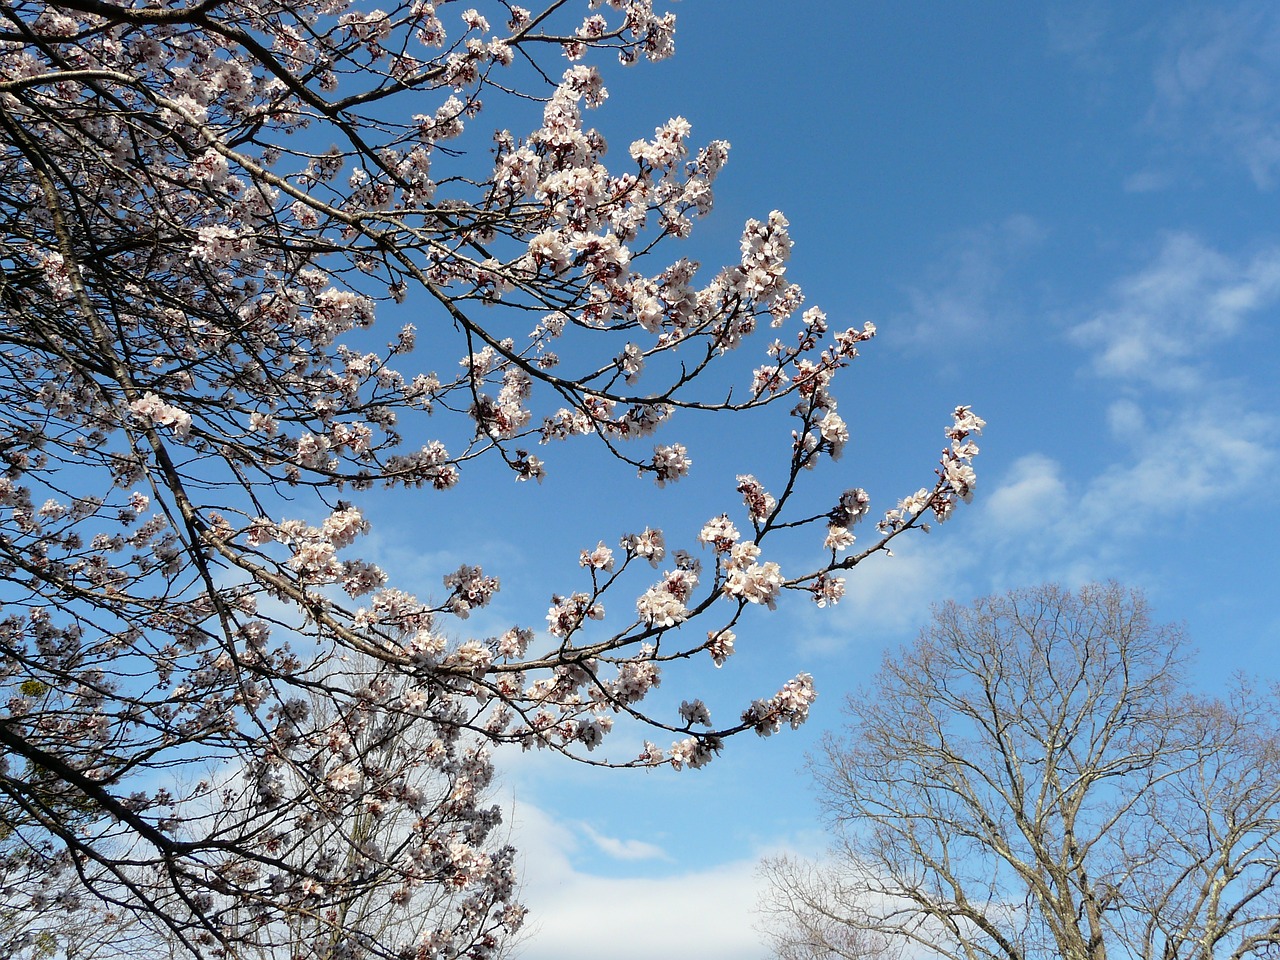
(648, 545)
(670, 463)
(719, 533)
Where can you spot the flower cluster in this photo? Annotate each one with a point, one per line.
(750, 580)
(693, 752)
(649, 545)
(853, 506)
(567, 613)
(151, 410)
(470, 589)
(789, 705)
(956, 478)
(720, 534)
(664, 604)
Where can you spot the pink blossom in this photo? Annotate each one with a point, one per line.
(695, 712)
(670, 463)
(659, 607)
(152, 409)
(760, 504)
(719, 533)
(693, 752)
(648, 545)
(827, 590)
(720, 645)
(601, 558)
(344, 525)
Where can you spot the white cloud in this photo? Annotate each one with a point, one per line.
(1034, 489)
(620, 849)
(1126, 419)
(1217, 85)
(1159, 324)
(1190, 436)
(1208, 452)
(890, 596)
(1043, 518)
(576, 915)
(1149, 181)
(962, 294)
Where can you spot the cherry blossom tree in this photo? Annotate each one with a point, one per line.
(211, 211)
(1033, 778)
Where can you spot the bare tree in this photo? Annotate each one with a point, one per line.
(1032, 778)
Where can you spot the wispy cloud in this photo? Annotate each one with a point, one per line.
(1213, 76)
(1150, 180)
(1181, 436)
(965, 292)
(1217, 85)
(1033, 488)
(1159, 325)
(620, 849)
(1079, 33)
(1046, 516)
(889, 596)
(1203, 452)
(1189, 436)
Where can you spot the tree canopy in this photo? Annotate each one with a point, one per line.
(1034, 778)
(211, 211)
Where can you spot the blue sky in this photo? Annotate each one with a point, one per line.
(1062, 214)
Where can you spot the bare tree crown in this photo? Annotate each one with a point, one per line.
(1034, 778)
